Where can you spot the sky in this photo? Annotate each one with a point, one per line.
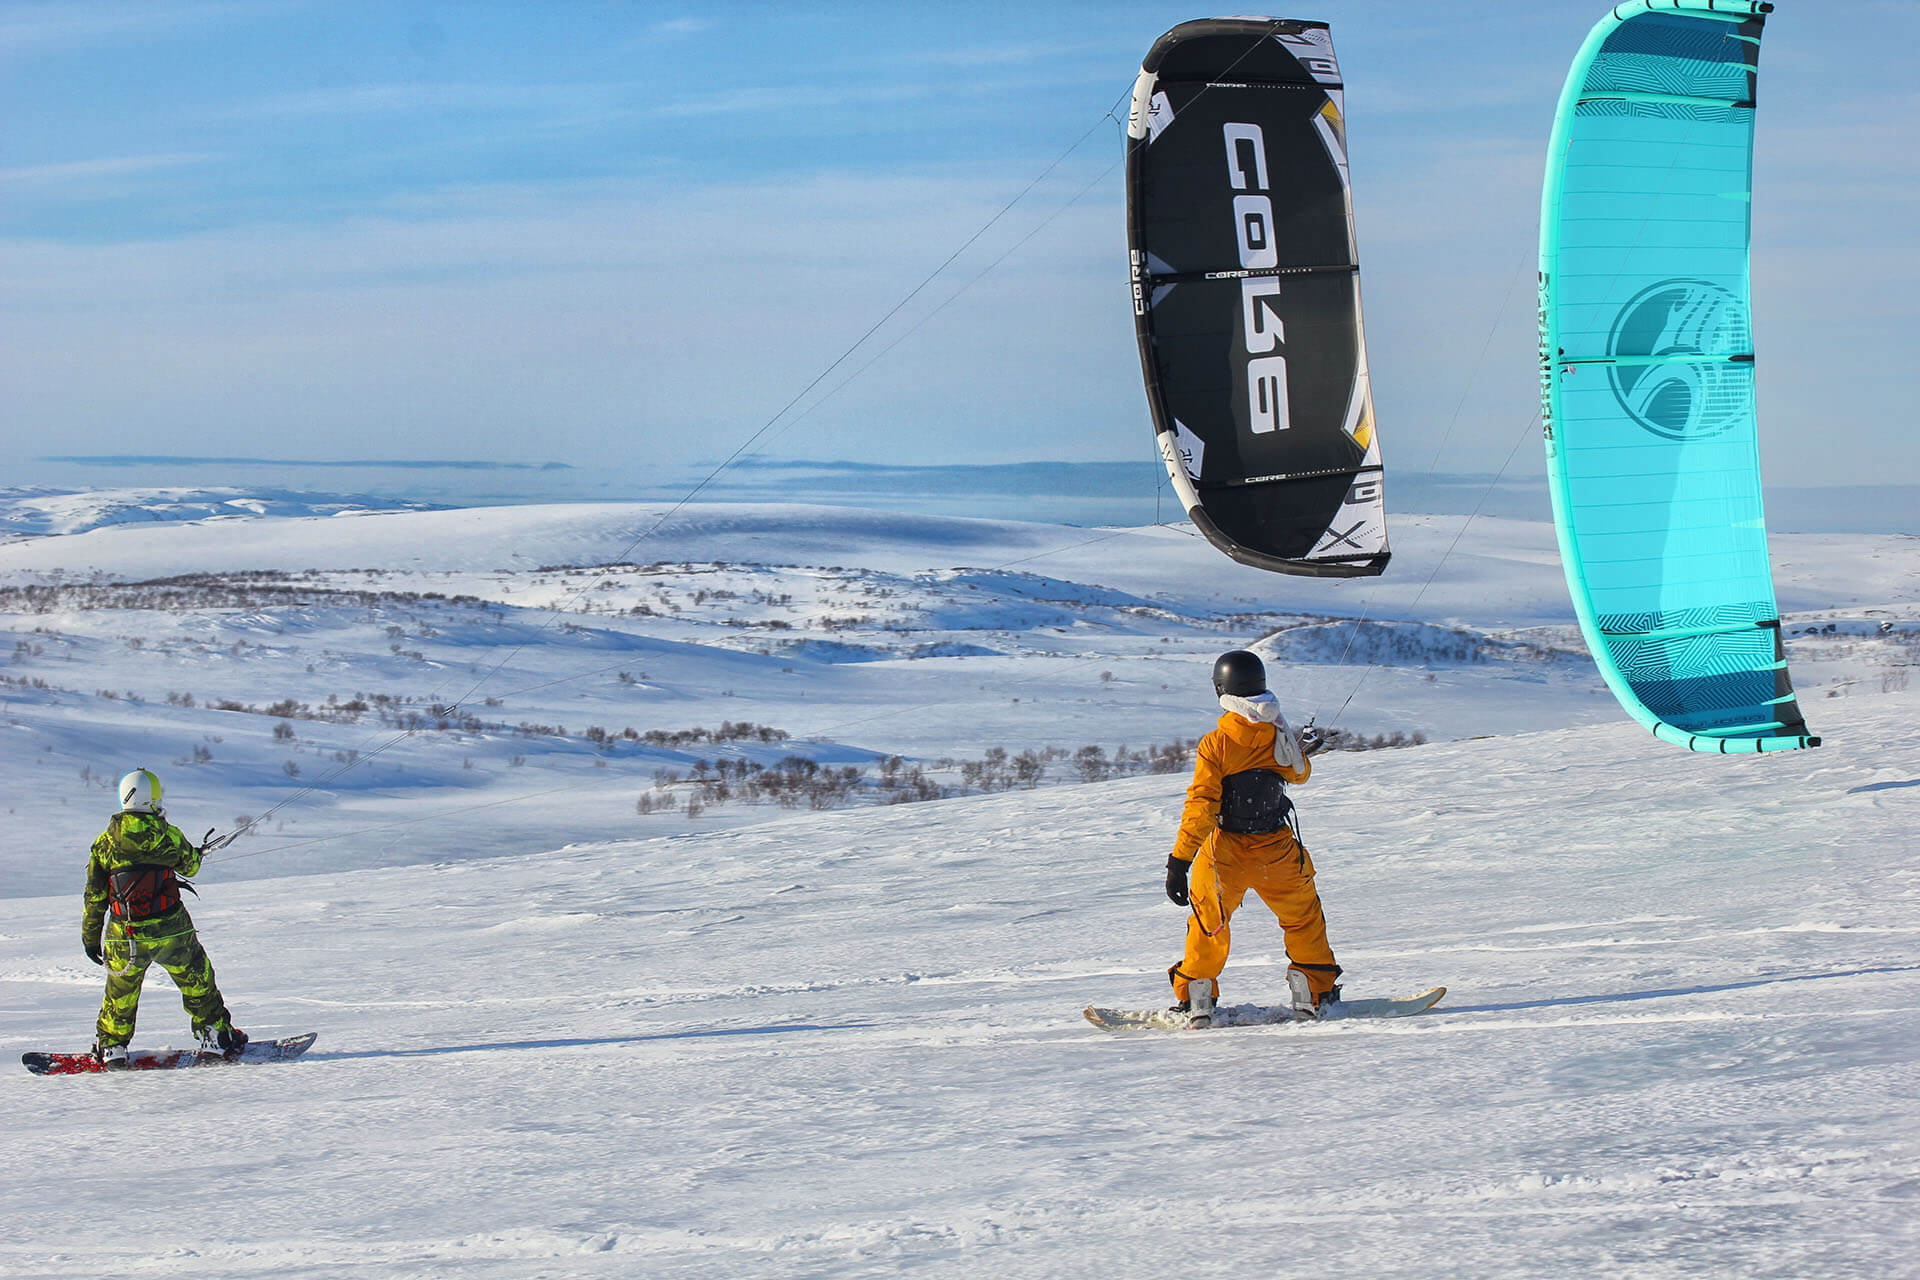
(624, 237)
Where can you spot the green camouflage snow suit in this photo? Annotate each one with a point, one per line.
(133, 889)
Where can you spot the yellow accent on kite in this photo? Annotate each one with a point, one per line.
(1336, 121)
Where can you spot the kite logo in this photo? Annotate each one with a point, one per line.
(1181, 450)
(1189, 448)
(1253, 212)
(1654, 380)
(1253, 233)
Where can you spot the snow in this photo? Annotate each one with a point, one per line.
(561, 1038)
(34, 512)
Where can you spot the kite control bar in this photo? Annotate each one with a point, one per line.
(208, 844)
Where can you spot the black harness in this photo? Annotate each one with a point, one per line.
(1254, 802)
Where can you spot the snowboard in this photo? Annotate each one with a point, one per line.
(1255, 1015)
(73, 1064)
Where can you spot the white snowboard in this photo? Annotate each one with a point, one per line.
(1256, 1015)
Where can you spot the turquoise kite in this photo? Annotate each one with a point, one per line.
(1646, 367)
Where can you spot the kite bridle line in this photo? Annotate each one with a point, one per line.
(1464, 526)
(1048, 221)
(557, 610)
(568, 599)
(1446, 437)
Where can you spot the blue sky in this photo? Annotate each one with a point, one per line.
(623, 235)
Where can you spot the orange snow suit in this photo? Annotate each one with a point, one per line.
(1227, 864)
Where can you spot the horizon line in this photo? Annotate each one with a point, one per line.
(167, 459)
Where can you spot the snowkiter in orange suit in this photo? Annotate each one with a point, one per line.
(1236, 834)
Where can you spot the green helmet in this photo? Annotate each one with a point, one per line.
(140, 792)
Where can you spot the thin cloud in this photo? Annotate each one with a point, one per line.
(790, 98)
(44, 26)
(376, 99)
(78, 172)
(1013, 55)
(675, 27)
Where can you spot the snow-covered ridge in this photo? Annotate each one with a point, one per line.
(1501, 571)
(40, 512)
(425, 661)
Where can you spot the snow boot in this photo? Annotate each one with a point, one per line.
(1305, 1007)
(225, 1039)
(112, 1057)
(1200, 1005)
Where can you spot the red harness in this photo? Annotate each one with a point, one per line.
(141, 893)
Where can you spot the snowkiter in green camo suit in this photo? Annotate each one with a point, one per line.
(133, 889)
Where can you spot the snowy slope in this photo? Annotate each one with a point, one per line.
(1680, 1042)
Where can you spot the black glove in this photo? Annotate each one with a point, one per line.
(1177, 880)
(1311, 740)
(94, 951)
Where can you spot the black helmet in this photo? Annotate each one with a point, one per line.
(1239, 673)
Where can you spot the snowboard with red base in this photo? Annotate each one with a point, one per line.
(73, 1064)
(1255, 1015)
